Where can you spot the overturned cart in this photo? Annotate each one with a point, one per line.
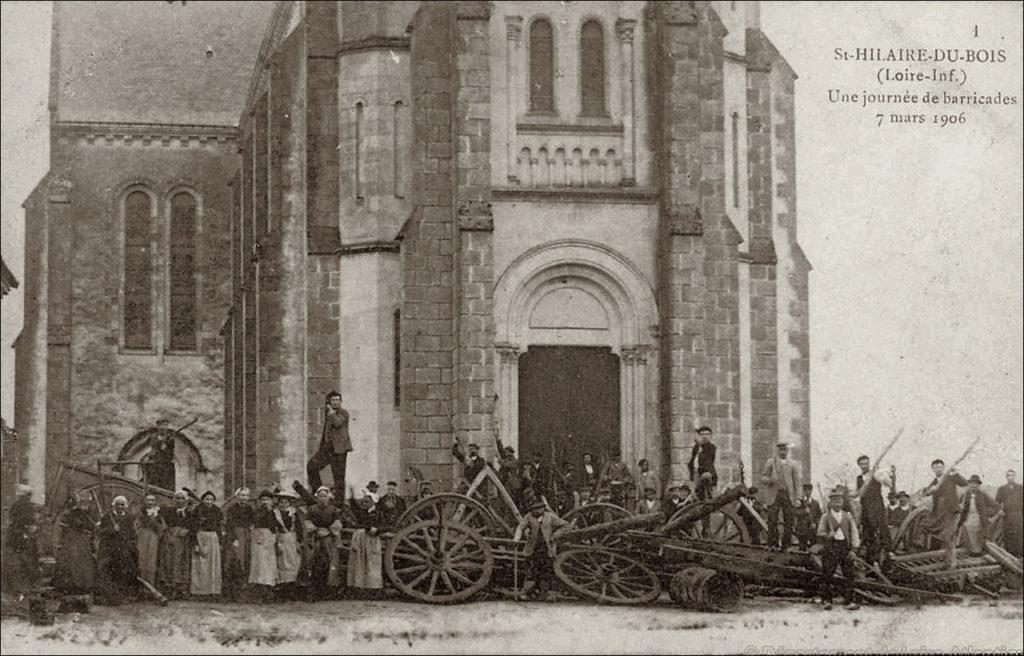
(448, 548)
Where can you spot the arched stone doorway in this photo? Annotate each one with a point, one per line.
(582, 296)
(189, 469)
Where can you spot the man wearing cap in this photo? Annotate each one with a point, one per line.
(900, 513)
(1010, 498)
(649, 504)
(672, 501)
(702, 464)
(543, 529)
(977, 510)
(807, 517)
(839, 534)
(617, 477)
(646, 479)
(335, 445)
(391, 505)
(874, 522)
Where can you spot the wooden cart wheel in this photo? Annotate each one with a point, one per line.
(866, 571)
(439, 562)
(723, 525)
(607, 576)
(597, 513)
(454, 508)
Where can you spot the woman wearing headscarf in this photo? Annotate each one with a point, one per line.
(364, 555)
(175, 559)
(148, 528)
(206, 525)
(76, 563)
(263, 550)
(118, 559)
(289, 562)
(238, 520)
(323, 535)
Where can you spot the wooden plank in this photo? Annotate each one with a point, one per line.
(1004, 557)
(960, 564)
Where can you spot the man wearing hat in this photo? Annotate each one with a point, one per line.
(807, 517)
(1009, 497)
(977, 510)
(543, 529)
(472, 464)
(335, 445)
(839, 535)
(646, 479)
(781, 480)
(899, 514)
(702, 464)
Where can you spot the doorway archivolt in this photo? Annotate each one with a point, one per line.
(578, 293)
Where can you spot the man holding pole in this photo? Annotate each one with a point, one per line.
(874, 523)
(942, 520)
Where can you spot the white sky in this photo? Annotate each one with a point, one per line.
(914, 232)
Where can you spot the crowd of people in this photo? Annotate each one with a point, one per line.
(289, 546)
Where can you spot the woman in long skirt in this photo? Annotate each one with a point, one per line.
(323, 534)
(238, 518)
(175, 562)
(206, 524)
(288, 559)
(148, 529)
(263, 552)
(76, 565)
(364, 556)
(118, 558)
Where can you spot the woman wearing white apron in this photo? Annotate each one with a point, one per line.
(263, 550)
(205, 530)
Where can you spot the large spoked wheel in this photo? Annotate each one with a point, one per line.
(722, 525)
(454, 508)
(607, 576)
(597, 513)
(439, 562)
(913, 534)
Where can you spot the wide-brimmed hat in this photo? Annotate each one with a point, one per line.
(537, 504)
(836, 494)
(974, 479)
(902, 495)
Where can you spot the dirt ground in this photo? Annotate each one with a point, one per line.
(762, 626)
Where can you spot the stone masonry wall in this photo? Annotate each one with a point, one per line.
(428, 242)
(763, 334)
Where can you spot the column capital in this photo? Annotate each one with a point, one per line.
(624, 27)
(513, 28)
(508, 353)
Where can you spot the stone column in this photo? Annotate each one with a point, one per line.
(513, 34)
(507, 388)
(624, 28)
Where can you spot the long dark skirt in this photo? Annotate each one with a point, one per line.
(76, 566)
(175, 562)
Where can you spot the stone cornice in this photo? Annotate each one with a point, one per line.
(373, 43)
(360, 247)
(145, 133)
(569, 128)
(633, 195)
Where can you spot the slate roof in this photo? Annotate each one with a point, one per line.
(151, 62)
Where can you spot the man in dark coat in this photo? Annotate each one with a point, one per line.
(874, 524)
(391, 506)
(1009, 498)
(160, 463)
(942, 520)
(807, 516)
(900, 513)
(335, 446)
(702, 464)
(977, 510)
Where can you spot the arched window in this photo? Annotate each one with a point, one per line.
(592, 69)
(182, 273)
(137, 319)
(542, 67)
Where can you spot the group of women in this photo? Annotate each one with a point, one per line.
(275, 548)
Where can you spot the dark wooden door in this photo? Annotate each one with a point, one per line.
(568, 403)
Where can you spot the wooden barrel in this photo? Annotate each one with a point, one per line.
(705, 589)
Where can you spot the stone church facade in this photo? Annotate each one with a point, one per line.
(571, 225)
